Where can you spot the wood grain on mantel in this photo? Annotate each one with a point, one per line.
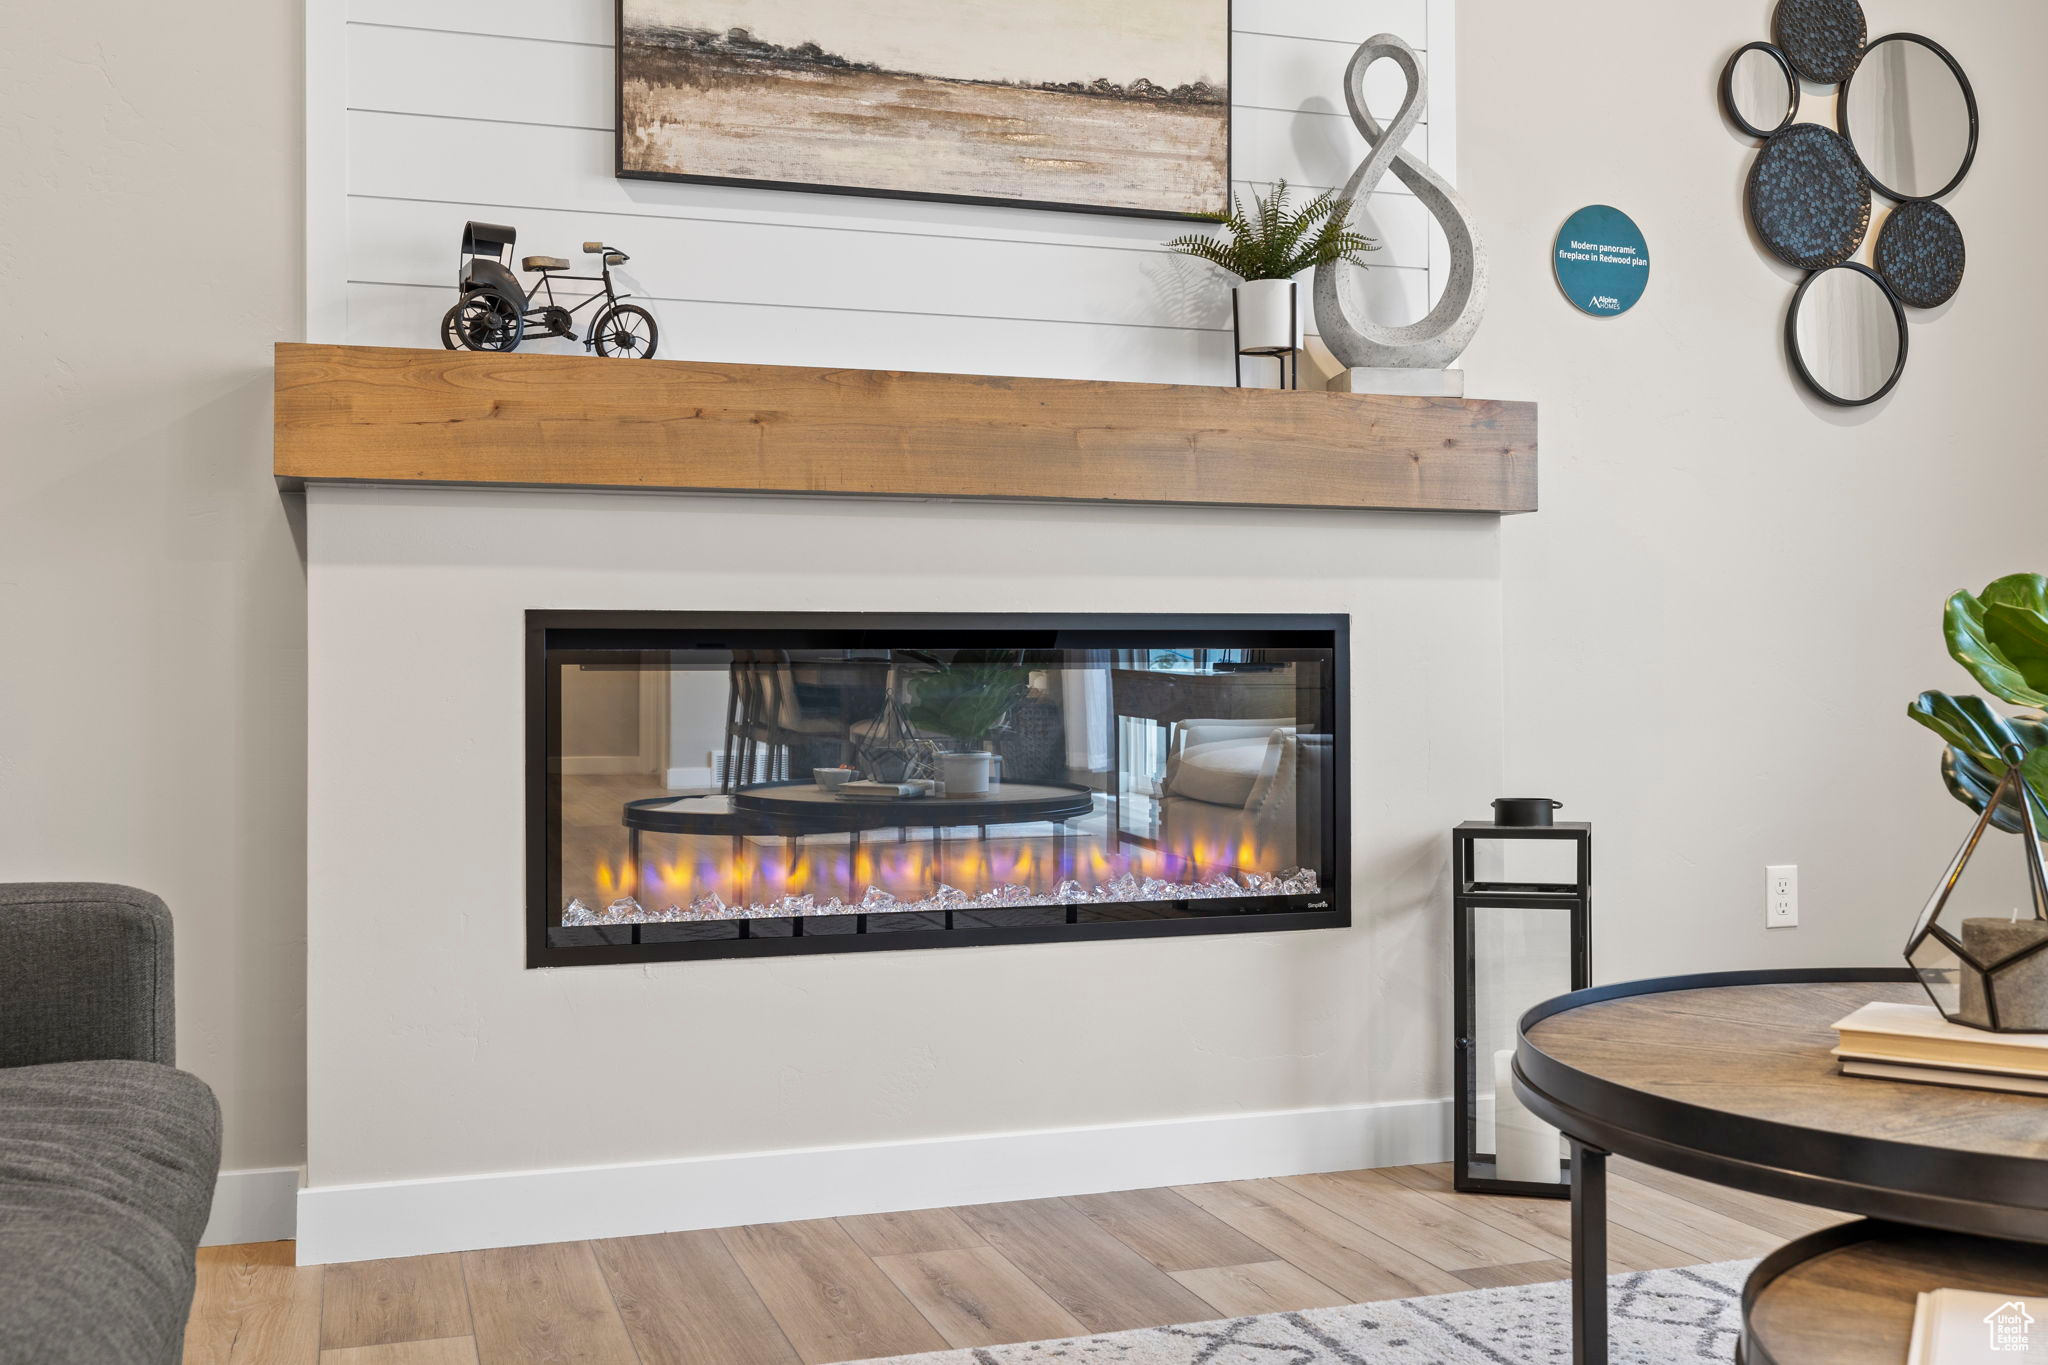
(377, 415)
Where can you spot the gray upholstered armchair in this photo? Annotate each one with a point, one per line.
(108, 1155)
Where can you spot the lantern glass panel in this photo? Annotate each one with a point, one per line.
(1525, 864)
(1521, 956)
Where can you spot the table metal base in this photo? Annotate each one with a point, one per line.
(1589, 1254)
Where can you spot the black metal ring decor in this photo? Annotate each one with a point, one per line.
(1799, 359)
(1920, 254)
(1733, 107)
(1969, 99)
(1809, 198)
(1824, 38)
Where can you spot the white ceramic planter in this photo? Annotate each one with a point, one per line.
(1269, 317)
(966, 774)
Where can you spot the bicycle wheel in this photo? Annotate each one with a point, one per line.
(482, 320)
(625, 330)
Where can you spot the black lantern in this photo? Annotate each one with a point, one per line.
(1522, 906)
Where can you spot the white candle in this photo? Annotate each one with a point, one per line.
(1525, 1148)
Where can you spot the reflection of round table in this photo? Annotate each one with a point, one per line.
(796, 809)
(1730, 1078)
(1006, 803)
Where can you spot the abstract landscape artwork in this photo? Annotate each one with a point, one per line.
(1107, 106)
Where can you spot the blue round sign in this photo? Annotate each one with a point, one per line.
(1602, 261)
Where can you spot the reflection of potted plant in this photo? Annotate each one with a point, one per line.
(1266, 246)
(967, 701)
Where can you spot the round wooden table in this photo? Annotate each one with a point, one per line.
(1730, 1078)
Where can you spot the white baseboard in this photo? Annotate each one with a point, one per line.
(687, 779)
(518, 1208)
(253, 1206)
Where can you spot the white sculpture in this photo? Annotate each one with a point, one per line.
(1440, 338)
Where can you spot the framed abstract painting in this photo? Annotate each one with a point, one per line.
(1098, 106)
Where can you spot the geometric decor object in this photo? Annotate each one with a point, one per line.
(1823, 38)
(1522, 930)
(1920, 254)
(1097, 109)
(1808, 197)
(887, 749)
(1442, 336)
(1981, 944)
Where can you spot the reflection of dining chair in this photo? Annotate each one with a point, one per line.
(767, 713)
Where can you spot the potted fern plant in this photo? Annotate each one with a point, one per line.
(1266, 246)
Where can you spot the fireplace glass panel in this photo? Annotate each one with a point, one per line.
(737, 786)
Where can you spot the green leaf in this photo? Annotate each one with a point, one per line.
(2021, 635)
(1971, 725)
(2002, 637)
(1267, 241)
(1973, 785)
(1970, 779)
(2035, 771)
(966, 701)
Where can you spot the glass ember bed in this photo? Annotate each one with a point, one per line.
(743, 784)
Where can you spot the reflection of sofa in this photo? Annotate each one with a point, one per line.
(1232, 780)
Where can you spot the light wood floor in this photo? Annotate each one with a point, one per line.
(888, 1284)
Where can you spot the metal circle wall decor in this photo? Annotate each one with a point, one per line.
(1759, 87)
(1808, 197)
(1907, 120)
(1920, 254)
(1911, 114)
(1846, 334)
(1824, 38)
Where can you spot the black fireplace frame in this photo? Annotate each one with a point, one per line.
(1328, 909)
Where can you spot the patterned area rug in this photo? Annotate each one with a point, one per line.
(1660, 1317)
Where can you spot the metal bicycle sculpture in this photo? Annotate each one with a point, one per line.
(496, 311)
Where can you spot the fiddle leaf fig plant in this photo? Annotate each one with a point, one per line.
(2001, 636)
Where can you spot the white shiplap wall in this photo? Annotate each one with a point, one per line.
(424, 113)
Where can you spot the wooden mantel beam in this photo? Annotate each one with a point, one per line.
(354, 414)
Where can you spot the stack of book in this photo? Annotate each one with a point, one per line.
(1914, 1043)
(1958, 1327)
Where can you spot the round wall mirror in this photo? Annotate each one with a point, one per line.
(1847, 335)
(1759, 90)
(1911, 115)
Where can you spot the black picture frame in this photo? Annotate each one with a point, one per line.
(620, 171)
(1969, 99)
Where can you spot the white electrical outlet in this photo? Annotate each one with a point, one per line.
(1781, 897)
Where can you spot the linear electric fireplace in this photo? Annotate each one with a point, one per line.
(748, 784)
